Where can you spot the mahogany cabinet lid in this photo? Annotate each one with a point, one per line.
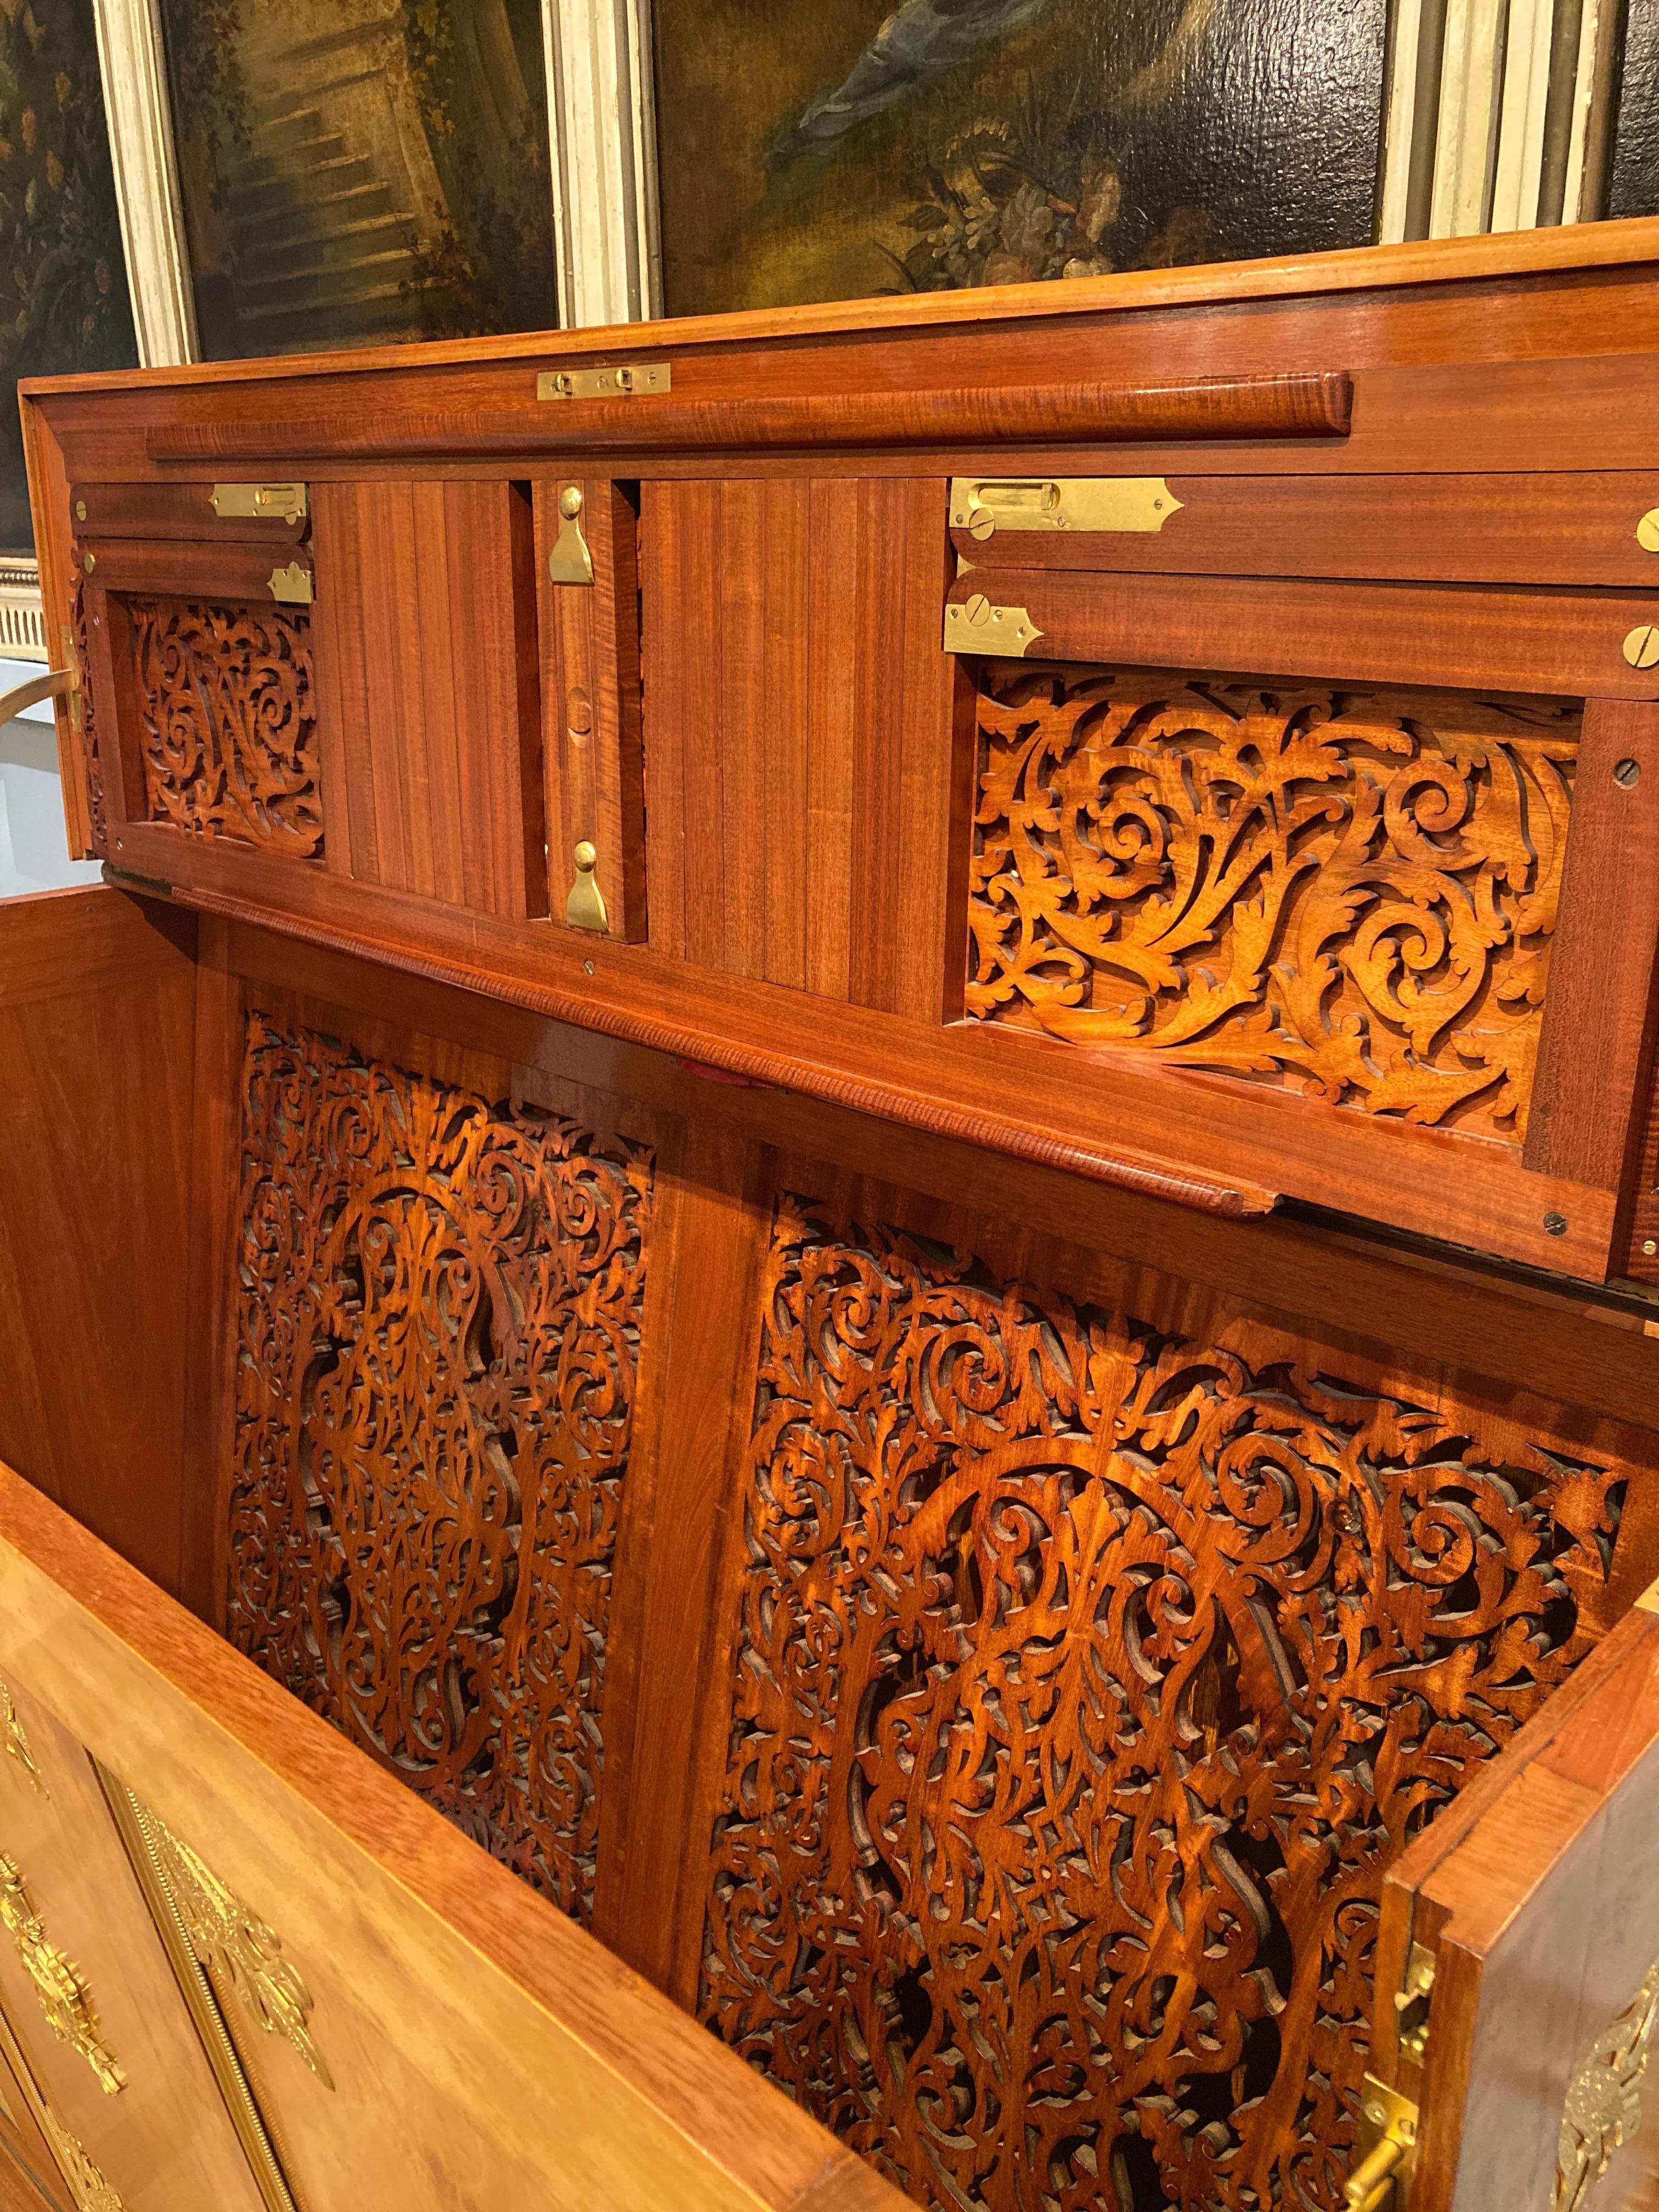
(480, 2047)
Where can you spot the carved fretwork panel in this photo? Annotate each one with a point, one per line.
(225, 701)
(96, 821)
(1350, 894)
(1085, 1680)
(441, 1304)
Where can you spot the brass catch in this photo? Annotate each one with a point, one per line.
(292, 586)
(570, 562)
(263, 502)
(1387, 2151)
(624, 383)
(977, 627)
(983, 505)
(1411, 2003)
(585, 907)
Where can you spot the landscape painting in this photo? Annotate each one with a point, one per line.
(63, 300)
(356, 172)
(819, 150)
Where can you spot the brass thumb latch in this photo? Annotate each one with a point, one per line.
(585, 907)
(570, 562)
(1388, 2143)
(261, 503)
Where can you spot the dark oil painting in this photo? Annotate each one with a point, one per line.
(820, 149)
(357, 172)
(62, 271)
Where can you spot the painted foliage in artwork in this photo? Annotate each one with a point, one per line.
(62, 274)
(360, 171)
(831, 148)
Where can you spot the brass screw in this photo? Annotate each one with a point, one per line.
(570, 502)
(1555, 1225)
(1647, 530)
(1649, 1248)
(80, 510)
(587, 967)
(977, 608)
(1626, 774)
(1642, 646)
(92, 563)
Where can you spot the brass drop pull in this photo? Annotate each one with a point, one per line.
(1388, 2139)
(585, 907)
(570, 562)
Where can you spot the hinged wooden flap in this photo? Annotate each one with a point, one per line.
(1529, 1915)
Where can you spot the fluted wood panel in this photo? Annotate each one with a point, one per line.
(798, 733)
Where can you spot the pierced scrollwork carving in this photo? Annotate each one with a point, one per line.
(439, 1317)
(1604, 2100)
(97, 820)
(1348, 894)
(1086, 1681)
(65, 2000)
(230, 727)
(235, 1947)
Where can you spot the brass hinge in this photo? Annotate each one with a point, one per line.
(570, 562)
(1387, 2151)
(983, 505)
(975, 626)
(262, 502)
(1411, 2003)
(624, 383)
(585, 907)
(292, 586)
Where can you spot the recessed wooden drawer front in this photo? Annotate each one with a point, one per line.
(267, 512)
(1537, 529)
(428, 689)
(1569, 643)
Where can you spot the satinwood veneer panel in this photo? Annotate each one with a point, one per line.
(1087, 1670)
(798, 733)
(428, 689)
(1349, 894)
(437, 1336)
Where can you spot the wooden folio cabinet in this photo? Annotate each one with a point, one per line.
(829, 1281)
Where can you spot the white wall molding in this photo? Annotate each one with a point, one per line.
(133, 62)
(602, 114)
(1498, 115)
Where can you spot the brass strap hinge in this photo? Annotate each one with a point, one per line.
(292, 586)
(1387, 2151)
(585, 907)
(261, 503)
(570, 562)
(983, 505)
(976, 626)
(624, 383)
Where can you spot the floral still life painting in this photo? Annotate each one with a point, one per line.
(817, 150)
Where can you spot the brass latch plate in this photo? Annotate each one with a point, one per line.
(983, 505)
(261, 503)
(1387, 2151)
(976, 626)
(626, 382)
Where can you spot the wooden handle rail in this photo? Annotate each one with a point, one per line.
(1193, 1188)
(1300, 405)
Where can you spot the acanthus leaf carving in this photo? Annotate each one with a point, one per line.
(1086, 1680)
(439, 1327)
(1347, 893)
